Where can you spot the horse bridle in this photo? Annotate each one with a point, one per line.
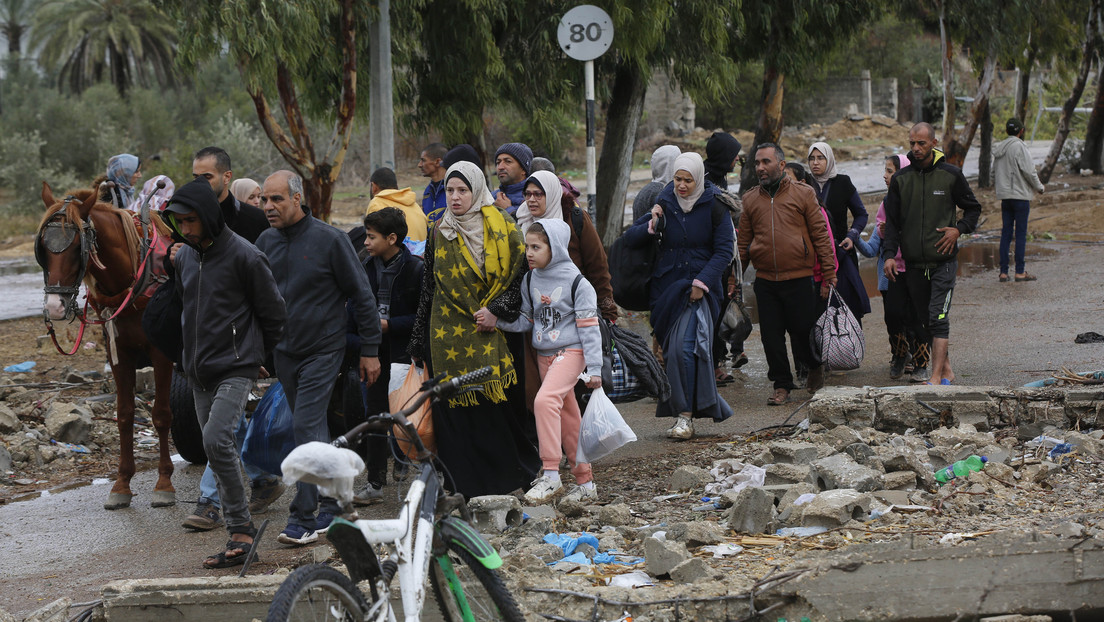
(55, 237)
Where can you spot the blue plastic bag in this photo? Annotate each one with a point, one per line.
(270, 436)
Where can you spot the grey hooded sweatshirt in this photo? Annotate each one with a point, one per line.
(560, 320)
(1013, 171)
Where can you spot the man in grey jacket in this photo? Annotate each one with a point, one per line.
(232, 318)
(317, 271)
(1016, 182)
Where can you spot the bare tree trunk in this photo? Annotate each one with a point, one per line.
(615, 162)
(1023, 84)
(1078, 88)
(956, 148)
(985, 157)
(1094, 131)
(769, 128)
(946, 52)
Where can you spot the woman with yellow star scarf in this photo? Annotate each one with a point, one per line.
(472, 278)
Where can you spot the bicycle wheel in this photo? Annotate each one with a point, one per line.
(317, 592)
(479, 588)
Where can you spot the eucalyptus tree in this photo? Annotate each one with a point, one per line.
(298, 60)
(87, 41)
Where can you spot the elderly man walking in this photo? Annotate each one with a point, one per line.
(922, 220)
(1016, 183)
(317, 271)
(783, 233)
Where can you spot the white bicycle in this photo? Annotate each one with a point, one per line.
(463, 570)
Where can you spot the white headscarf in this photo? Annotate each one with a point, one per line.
(469, 225)
(691, 163)
(553, 194)
(830, 171)
(662, 159)
(242, 188)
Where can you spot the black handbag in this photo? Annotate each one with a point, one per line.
(161, 321)
(631, 271)
(735, 323)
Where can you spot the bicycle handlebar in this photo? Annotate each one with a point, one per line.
(433, 389)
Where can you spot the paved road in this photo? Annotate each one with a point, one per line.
(1002, 334)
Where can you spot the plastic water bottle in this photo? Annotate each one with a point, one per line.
(962, 468)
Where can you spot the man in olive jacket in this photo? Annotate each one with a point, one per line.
(783, 233)
(922, 220)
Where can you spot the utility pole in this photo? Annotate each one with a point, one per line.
(381, 110)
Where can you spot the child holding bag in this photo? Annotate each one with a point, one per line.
(560, 307)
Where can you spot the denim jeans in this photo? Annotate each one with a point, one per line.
(208, 491)
(218, 412)
(1013, 212)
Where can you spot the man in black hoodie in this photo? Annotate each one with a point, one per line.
(233, 318)
(316, 270)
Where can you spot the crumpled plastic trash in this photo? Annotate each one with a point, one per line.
(805, 498)
(721, 551)
(330, 468)
(636, 578)
(800, 532)
(730, 475)
(1043, 441)
(77, 449)
(20, 367)
(1059, 450)
(569, 543)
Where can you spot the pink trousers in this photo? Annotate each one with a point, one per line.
(557, 412)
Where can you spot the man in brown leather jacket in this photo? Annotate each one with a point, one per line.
(783, 233)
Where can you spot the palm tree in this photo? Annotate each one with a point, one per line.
(15, 18)
(126, 41)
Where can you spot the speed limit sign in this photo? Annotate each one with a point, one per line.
(585, 32)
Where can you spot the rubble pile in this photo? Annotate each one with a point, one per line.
(773, 507)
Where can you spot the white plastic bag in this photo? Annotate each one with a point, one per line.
(398, 375)
(603, 429)
(331, 468)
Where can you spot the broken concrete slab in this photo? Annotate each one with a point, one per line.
(688, 478)
(57, 611)
(959, 582)
(690, 571)
(793, 452)
(833, 508)
(841, 471)
(496, 513)
(191, 599)
(69, 423)
(615, 515)
(9, 422)
(752, 511)
(660, 556)
(841, 406)
(697, 533)
(900, 480)
(784, 473)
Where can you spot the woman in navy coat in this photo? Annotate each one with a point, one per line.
(686, 290)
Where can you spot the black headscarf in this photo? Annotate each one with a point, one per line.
(720, 152)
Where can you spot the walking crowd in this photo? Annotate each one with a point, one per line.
(515, 278)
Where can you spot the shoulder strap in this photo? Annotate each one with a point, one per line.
(575, 287)
(577, 221)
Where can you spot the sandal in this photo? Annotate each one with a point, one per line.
(780, 397)
(1003, 278)
(723, 377)
(224, 559)
(1026, 277)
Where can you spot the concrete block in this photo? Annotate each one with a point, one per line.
(778, 491)
(792, 452)
(859, 452)
(57, 611)
(838, 406)
(752, 512)
(1068, 529)
(892, 497)
(615, 515)
(895, 459)
(191, 599)
(691, 571)
(840, 471)
(782, 473)
(963, 434)
(540, 511)
(660, 557)
(1039, 473)
(143, 380)
(1084, 443)
(841, 437)
(495, 513)
(900, 480)
(898, 412)
(69, 423)
(9, 422)
(833, 508)
(688, 478)
(697, 533)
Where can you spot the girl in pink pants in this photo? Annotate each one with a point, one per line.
(561, 309)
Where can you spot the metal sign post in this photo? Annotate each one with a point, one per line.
(585, 33)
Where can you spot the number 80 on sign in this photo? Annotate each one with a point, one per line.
(585, 32)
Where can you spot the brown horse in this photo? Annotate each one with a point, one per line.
(83, 240)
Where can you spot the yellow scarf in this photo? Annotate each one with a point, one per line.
(462, 287)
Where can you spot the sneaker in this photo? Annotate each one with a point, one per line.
(920, 374)
(322, 523)
(579, 494)
(815, 381)
(739, 360)
(682, 430)
(897, 367)
(297, 535)
(264, 495)
(371, 494)
(543, 490)
(205, 518)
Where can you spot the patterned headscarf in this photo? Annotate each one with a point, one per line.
(469, 225)
(159, 197)
(120, 168)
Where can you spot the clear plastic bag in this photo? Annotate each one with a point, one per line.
(603, 429)
(330, 468)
